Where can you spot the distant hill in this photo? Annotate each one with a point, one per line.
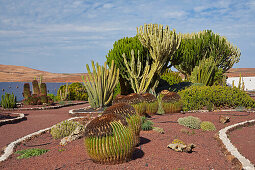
(12, 73)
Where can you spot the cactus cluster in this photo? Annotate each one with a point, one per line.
(39, 95)
(171, 102)
(207, 126)
(63, 129)
(137, 101)
(100, 84)
(133, 119)
(8, 101)
(109, 139)
(151, 104)
(190, 122)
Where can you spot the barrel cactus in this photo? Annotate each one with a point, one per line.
(133, 119)
(119, 99)
(137, 101)
(151, 104)
(109, 140)
(171, 103)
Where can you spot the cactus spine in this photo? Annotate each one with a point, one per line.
(162, 44)
(139, 81)
(100, 84)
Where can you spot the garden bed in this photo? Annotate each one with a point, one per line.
(151, 154)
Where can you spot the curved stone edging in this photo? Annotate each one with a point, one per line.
(47, 107)
(9, 149)
(92, 113)
(14, 120)
(246, 164)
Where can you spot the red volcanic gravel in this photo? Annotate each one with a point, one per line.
(151, 154)
(244, 140)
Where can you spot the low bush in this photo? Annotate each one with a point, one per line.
(8, 101)
(207, 126)
(171, 77)
(146, 124)
(197, 97)
(190, 122)
(27, 153)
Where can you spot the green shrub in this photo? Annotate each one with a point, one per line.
(63, 129)
(27, 153)
(77, 91)
(171, 77)
(8, 101)
(190, 122)
(146, 124)
(195, 97)
(207, 126)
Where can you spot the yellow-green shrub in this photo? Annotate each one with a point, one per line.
(207, 126)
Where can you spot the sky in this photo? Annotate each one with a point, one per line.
(62, 36)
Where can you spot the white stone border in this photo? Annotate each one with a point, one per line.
(9, 149)
(246, 164)
(21, 116)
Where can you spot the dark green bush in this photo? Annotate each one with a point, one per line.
(197, 97)
(77, 91)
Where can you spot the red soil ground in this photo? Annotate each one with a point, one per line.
(151, 154)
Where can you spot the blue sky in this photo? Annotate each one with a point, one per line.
(62, 36)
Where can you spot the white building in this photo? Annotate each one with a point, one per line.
(249, 82)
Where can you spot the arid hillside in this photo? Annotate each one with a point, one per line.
(12, 73)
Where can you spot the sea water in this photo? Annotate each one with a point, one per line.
(17, 88)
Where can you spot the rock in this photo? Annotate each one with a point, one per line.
(181, 147)
(76, 134)
(224, 119)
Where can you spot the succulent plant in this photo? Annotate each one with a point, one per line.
(178, 141)
(190, 122)
(8, 100)
(44, 99)
(146, 124)
(171, 102)
(26, 91)
(137, 101)
(207, 126)
(133, 119)
(109, 140)
(63, 129)
(43, 89)
(119, 99)
(151, 103)
(36, 89)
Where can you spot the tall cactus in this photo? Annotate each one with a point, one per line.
(43, 89)
(138, 78)
(100, 84)
(36, 89)
(162, 44)
(204, 72)
(26, 91)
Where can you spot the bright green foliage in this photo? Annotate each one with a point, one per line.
(146, 124)
(151, 103)
(139, 79)
(36, 89)
(75, 91)
(109, 140)
(26, 91)
(43, 89)
(28, 153)
(196, 46)
(121, 46)
(171, 77)
(162, 44)
(197, 97)
(190, 122)
(207, 126)
(8, 101)
(63, 92)
(117, 90)
(132, 118)
(100, 84)
(204, 72)
(63, 129)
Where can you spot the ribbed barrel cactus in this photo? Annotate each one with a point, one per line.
(137, 101)
(151, 104)
(171, 103)
(133, 119)
(109, 140)
(119, 99)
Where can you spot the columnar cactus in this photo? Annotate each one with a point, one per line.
(171, 103)
(8, 101)
(26, 91)
(36, 89)
(100, 84)
(133, 119)
(109, 140)
(162, 44)
(43, 89)
(137, 101)
(151, 103)
(139, 79)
